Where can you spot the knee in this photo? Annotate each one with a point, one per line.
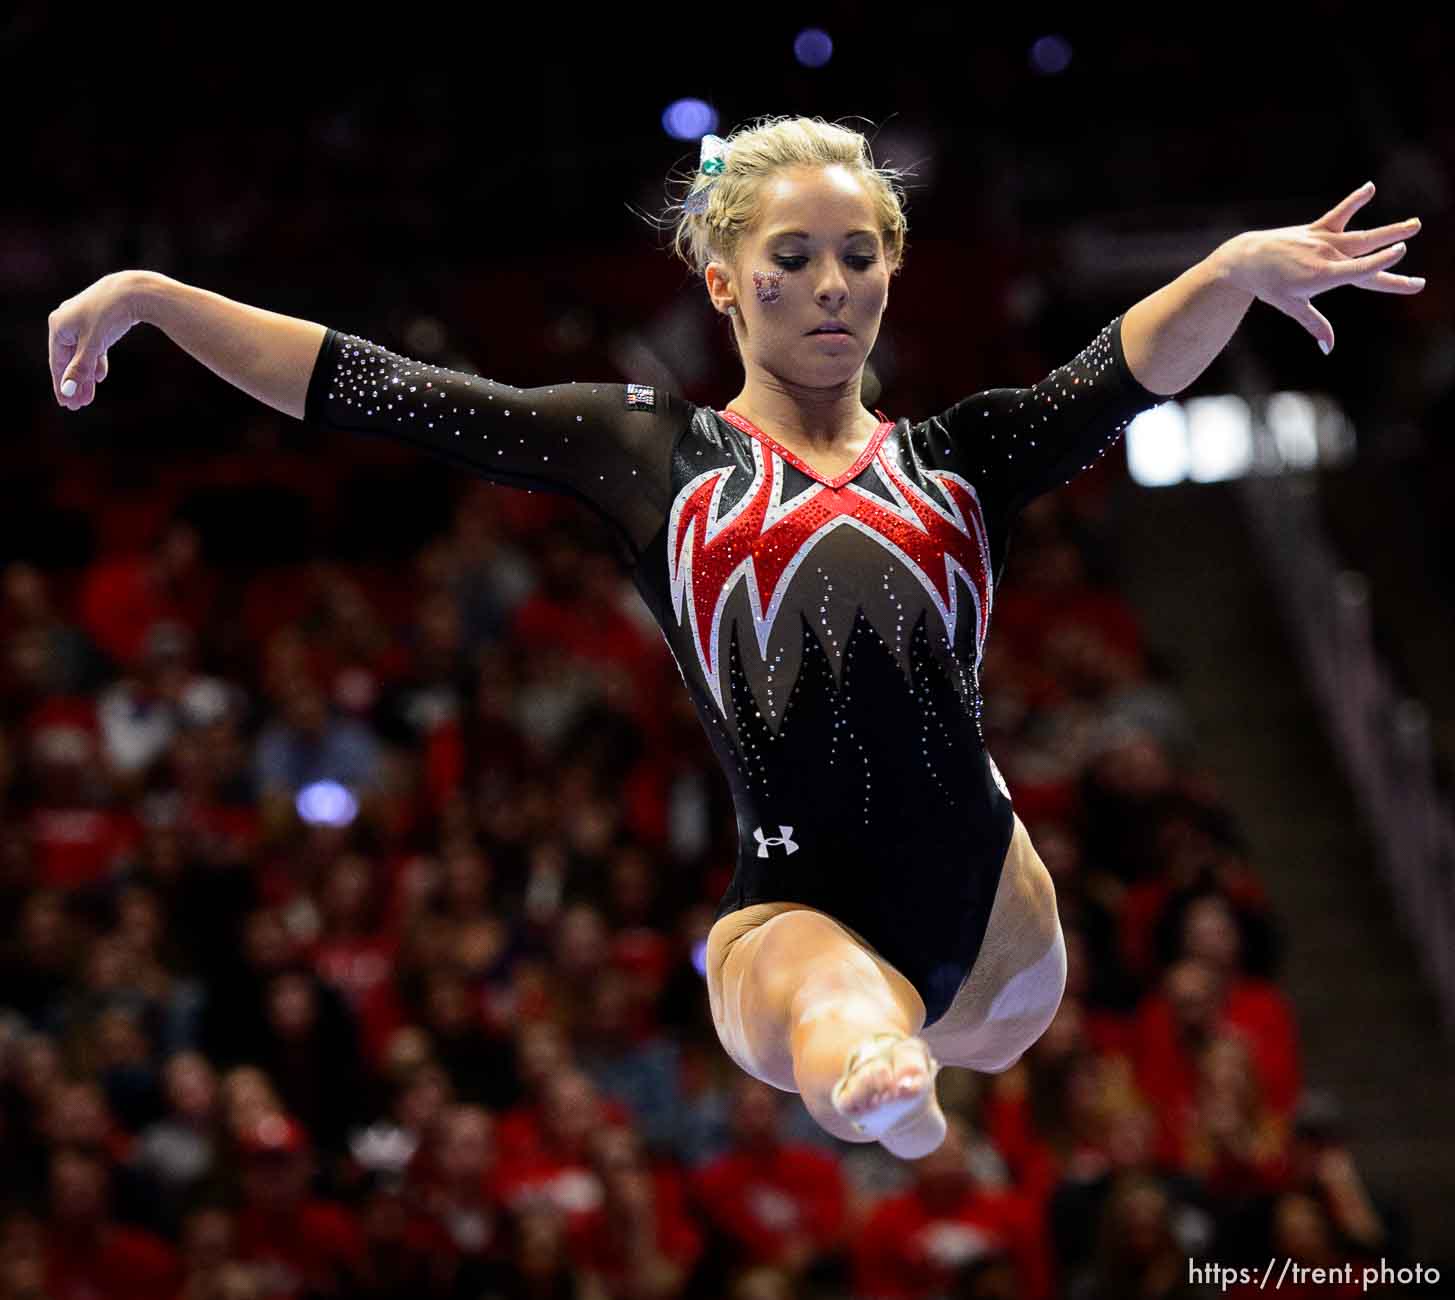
(1034, 992)
(998, 1065)
(1024, 1008)
(804, 957)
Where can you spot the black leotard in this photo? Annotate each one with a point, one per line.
(829, 630)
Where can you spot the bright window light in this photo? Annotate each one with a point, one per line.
(1220, 438)
(1157, 445)
(1294, 425)
(1215, 438)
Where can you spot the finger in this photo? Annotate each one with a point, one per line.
(1354, 242)
(1384, 282)
(1313, 320)
(80, 371)
(102, 368)
(1338, 216)
(1357, 268)
(61, 348)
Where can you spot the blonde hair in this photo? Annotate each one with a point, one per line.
(753, 153)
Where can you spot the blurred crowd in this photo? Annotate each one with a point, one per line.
(354, 926)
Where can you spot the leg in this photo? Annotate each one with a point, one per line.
(797, 996)
(1015, 986)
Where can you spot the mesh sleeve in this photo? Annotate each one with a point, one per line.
(607, 444)
(1018, 443)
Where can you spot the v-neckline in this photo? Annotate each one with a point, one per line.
(792, 457)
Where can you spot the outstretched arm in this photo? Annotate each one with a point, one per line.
(1172, 336)
(267, 355)
(1013, 444)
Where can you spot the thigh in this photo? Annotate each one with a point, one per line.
(1015, 986)
(746, 1006)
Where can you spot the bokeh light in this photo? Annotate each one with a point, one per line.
(1050, 56)
(689, 119)
(813, 47)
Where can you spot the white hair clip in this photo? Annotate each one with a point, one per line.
(710, 162)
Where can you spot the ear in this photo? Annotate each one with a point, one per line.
(719, 286)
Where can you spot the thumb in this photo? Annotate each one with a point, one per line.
(1313, 320)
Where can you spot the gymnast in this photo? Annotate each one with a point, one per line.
(823, 575)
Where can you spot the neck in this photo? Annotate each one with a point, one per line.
(819, 418)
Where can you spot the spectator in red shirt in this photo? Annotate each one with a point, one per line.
(542, 1052)
(78, 835)
(354, 955)
(1211, 933)
(87, 1254)
(641, 1240)
(297, 1244)
(915, 1243)
(1195, 1005)
(775, 1202)
(1234, 1143)
(485, 740)
(462, 1196)
(557, 1164)
(578, 611)
(122, 596)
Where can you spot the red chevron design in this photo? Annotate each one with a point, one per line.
(763, 541)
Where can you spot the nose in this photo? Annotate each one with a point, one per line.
(832, 287)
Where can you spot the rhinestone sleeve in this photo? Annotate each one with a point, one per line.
(606, 444)
(1017, 443)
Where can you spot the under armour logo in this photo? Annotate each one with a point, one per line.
(784, 837)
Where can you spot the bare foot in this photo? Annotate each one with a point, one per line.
(887, 1078)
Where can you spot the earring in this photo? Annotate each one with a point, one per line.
(732, 311)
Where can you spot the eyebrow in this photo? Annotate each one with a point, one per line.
(803, 234)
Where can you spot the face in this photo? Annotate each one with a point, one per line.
(191, 1085)
(785, 284)
(469, 1144)
(1211, 932)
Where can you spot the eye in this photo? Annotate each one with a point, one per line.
(793, 263)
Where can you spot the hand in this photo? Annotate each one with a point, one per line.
(1334, 1166)
(82, 329)
(1287, 267)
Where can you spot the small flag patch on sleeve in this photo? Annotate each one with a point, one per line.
(641, 397)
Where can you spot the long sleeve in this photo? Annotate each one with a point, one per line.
(606, 444)
(1017, 443)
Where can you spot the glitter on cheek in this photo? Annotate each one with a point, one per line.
(769, 285)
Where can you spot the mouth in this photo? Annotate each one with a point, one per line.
(830, 329)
